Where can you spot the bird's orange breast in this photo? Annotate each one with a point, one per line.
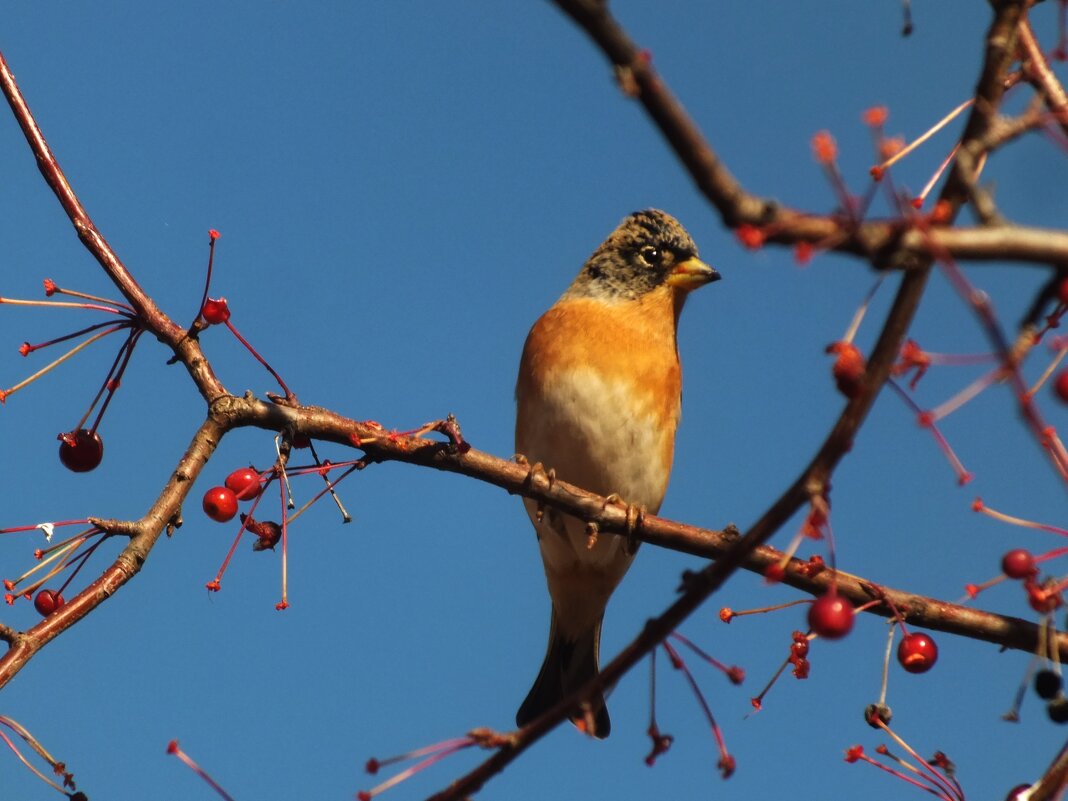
(599, 394)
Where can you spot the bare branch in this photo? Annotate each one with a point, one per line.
(143, 536)
(185, 348)
(1055, 779)
(873, 239)
(8, 634)
(1038, 70)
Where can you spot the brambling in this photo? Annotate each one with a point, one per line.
(598, 400)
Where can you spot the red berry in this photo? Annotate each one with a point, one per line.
(1018, 564)
(215, 311)
(1060, 386)
(848, 369)
(1062, 291)
(245, 483)
(47, 602)
(774, 573)
(220, 504)
(750, 236)
(80, 450)
(1043, 598)
(942, 212)
(917, 653)
(831, 616)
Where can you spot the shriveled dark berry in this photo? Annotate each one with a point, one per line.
(1057, 709)
(876, 712)
(1048, 683)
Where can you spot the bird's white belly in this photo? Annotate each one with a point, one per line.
(592, 433)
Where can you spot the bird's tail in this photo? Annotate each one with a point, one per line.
(568, 665)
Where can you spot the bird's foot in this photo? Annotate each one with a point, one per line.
(592, 530)
(635, 514)
(537, 478)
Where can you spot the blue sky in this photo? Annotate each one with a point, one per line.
(402, 188)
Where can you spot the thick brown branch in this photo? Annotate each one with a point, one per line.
(381, 446)
(1001, 243)
(892, 244)
(1055, 779)
(1001, 49)
(637, 76)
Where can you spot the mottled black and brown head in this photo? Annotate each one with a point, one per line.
(648, 250)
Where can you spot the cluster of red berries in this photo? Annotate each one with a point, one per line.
(1044, 597)
(220, 503)
(1020, 564)
(831, 617)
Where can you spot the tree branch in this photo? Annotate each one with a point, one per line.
(1042, 77)
(185, 348)
(229, 413)
(143, 535)
(1052, 784)
(871, 239)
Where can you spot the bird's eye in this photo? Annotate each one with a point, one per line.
(650, 255)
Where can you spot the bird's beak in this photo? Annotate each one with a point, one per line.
(690, 274)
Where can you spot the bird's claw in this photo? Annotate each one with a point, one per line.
(535, 474)
(635, 514)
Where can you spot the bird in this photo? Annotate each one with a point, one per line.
(598, 400)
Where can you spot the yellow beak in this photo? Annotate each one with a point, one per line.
(690, 274)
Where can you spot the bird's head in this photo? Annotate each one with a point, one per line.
(648, 250)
